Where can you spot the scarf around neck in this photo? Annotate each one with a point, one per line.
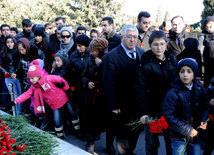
(66, 46)
(38, 99)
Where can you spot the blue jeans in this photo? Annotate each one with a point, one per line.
(16, 90)
(179, 147)
(5, 95)
(57, 114)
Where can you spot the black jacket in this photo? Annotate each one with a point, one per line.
(20, 63)
(120, 75)
(157, 77)
(73, 69)
(113, 40)
(22, 34)
(185, 109)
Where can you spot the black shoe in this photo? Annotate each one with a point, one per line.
(44, 123)
(110, 150)
(90, 148)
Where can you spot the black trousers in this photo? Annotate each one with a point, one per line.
(126, 138)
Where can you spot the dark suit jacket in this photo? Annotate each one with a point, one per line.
(120, 75)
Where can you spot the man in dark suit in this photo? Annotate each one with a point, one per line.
(120, 75)
(183, 44)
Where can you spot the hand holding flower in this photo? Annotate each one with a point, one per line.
(143, 119)
(212, 102)
(203, 125)
(193, 133)
(91, 85)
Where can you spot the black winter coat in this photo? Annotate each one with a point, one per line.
(20, 64)
(92, 108)
(157, 77)
(185, 109)
(73, 69)
(120, 75)
(113, 40)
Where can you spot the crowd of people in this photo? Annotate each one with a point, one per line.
(97, 82)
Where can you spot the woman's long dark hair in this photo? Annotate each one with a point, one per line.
(5, 50)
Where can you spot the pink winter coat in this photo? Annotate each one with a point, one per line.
(55, 97)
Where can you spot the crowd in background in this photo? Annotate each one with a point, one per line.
(72, 79)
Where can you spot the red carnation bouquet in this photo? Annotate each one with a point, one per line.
(156, 125)
(7, 143)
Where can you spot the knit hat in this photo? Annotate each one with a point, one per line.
(34, 70)
(63, 56)
(83, 40)
(39, 31)
(208, 19)
(26, 43)
(41, 63)
(100, 43)
(67, 29)
(188, 62)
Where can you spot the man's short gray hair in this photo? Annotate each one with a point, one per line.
(128, 27)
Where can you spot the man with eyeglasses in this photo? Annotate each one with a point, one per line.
(143, 24)
(26, 33)
(109, 33)
(53, 47)
(120, 74)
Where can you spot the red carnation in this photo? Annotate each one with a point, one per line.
(21, 148)
(6, 75)
(12, 140)
(141, 45)
(72, 88)
(1, 121)
(211, 117)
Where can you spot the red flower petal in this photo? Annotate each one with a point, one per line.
(73, 88)
(6, 75)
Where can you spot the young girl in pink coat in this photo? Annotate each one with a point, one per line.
(43, 89)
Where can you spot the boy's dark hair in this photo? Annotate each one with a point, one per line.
(109, 19)
(60, 18)
(93, 31)
(177, 17)
(143, 14)
(26, 22)
(81, 28)
(157, 35)
(5, 25)
(14, 29)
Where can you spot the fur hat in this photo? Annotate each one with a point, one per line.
(34, 70)
(83, 40)
(63, 56)
(188, 62)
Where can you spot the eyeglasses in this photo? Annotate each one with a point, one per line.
(130, 37)
(63, 37)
